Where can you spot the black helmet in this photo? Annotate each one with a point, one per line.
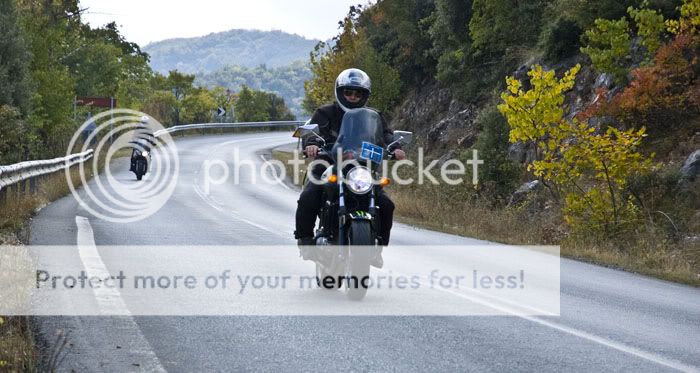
(352, 79)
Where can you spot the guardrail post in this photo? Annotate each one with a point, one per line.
(18, 191)
(32, 185)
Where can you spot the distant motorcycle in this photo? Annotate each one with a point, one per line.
(346, 238)
(140, 157)
(139, 162)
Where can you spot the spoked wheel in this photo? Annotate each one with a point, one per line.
(361, 241)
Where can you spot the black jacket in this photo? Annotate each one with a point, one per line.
(329, 118)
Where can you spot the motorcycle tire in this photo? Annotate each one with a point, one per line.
(361, 240)
(328, 285)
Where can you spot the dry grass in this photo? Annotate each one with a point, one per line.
(285, 156)
(17, 205)
(16, 345)
(647, 253)
(678, 262)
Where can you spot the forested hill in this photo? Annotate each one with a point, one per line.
(249, 48)
(285, 81)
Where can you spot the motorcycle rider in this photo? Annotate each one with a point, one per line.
(143, 138)
(352, 90)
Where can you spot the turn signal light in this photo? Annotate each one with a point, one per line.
(384, 181)
(333, 179)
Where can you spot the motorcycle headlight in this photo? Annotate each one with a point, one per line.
(359, 180)
(144, 153)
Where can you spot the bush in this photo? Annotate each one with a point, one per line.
(498, 175)
(661, 97)
(560, 39)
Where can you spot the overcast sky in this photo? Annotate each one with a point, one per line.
(145, 21)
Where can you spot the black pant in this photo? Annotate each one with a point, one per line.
(309, 205)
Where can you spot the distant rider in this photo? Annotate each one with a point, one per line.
(143, 139)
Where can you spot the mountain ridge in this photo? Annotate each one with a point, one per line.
(242, 47)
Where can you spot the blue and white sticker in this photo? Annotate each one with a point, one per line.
(372, 152)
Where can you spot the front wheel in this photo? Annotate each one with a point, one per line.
(326, 280)
(361, 241)
(140, 168)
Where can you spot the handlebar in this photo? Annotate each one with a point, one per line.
(323, 152)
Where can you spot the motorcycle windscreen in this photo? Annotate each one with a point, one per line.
(358, 126)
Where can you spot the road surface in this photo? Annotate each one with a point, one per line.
(610, 320)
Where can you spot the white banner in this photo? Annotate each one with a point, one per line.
(272, 280)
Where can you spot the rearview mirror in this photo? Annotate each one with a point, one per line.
(305, 130)
(403, 137)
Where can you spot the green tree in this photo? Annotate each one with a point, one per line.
(585, 12)
(352, 50)
(198, 107)
(278, 110)
(650, 27)
(608, 47)
(252, 106)
(15, 136)
(448, 28)
(497, 25)
(393, 28)
(180, 85)
(52, 29)
(499, 174)
(15, 84)
(560, 39)
(161, 105)
(96, 68)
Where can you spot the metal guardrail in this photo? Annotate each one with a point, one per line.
(22, 171)
(228, 125)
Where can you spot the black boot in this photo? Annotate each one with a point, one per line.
(307, 251)
(378, 261)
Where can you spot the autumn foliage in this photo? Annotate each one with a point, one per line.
(590, 168)
(660, 95)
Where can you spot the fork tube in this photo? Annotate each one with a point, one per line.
(341, 214)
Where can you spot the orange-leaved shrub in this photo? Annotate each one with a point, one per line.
(661, 95)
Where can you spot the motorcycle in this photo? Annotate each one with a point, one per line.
(347, 235)
(140, 158)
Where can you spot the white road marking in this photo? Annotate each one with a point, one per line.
(233, 213)
(279, 181)
(109, 300)
(209, 200)
(650, 356)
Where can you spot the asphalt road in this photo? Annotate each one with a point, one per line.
(610, 320)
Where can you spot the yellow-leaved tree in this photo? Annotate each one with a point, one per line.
(351, 50)
(590, 167)
(689, 22)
